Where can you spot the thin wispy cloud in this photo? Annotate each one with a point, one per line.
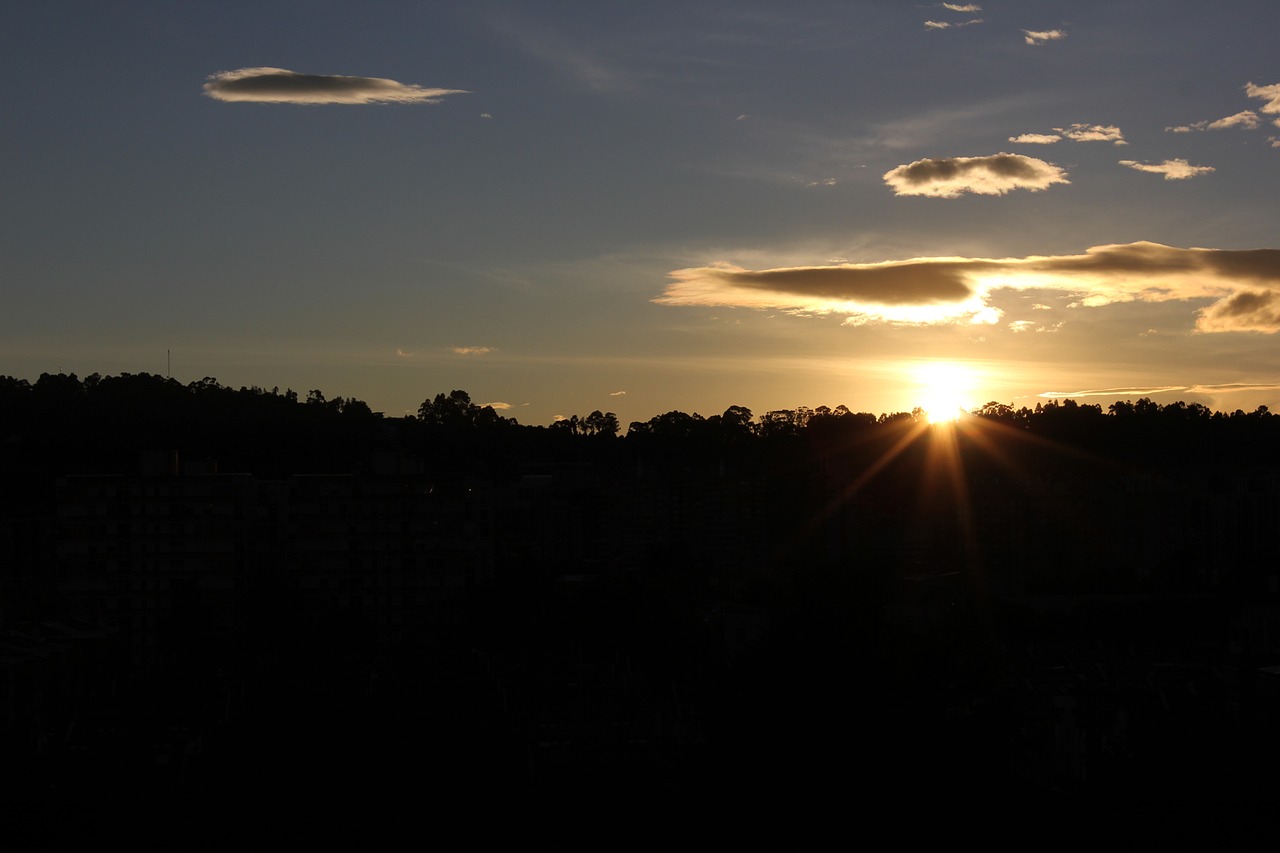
(951, 177)
(1173, 170)
(1246, 119)
(1244, 286)
(965, 7)
(472, 350)
(499, 406)
(946, 25)
(584, 63)
(1148, 390)
(1041, 36)
(281, 86)
(618, 394)
(1078, 132)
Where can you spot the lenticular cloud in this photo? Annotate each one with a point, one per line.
(281, 86)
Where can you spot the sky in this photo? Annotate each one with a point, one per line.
(639, 207)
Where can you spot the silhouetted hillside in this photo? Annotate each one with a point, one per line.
(1050, 602)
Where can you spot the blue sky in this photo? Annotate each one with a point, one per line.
(646, 207)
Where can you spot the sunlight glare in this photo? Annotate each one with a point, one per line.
(943, 389)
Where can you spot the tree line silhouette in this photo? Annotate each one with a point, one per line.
(62, 423)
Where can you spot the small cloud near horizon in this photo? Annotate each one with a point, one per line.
(951, 177)
(402, 353)
(1173, 170)
(472, 350)
(1147, 391)
(618, 394)
(498, 406)
(1035, 37)
(280, 86)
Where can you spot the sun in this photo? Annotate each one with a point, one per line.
(943, 389)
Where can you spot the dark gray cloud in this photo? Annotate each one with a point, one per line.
(1246, 311)
(951, 177)
(281, 86)
(900, 284)
(1243, 285)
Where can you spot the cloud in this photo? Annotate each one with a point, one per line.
(1036, 139)
(1149, 390)
(618, 394)
(472, 350)
(951, 177)
(280, 86)
(402, 353)
(1270, 94)
(944, 25)
(1092, 133)
(966, 7)
(1242, 284)
(1247, 119)
(1040, 37)
(1021, 326)
(496, 406)
(1173, 170)
(486, 115)
(1246, 311)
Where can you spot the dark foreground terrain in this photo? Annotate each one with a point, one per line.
(219, 604)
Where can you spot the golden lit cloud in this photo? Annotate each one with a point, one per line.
(1245, 311)
(280, 86)
(1036, 138)
(472, 350)
(1242, 284)
(1270, 94)
(951, 177)
(1092, 133)
(1042, 36)
(1173, 170)
(498, 406)
(1246, 119)
(618, 394)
